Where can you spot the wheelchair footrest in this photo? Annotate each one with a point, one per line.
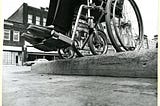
(62, 37)
(55, 43)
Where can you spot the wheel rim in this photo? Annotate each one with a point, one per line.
(99, 44)
(127, 25)
(66, 53)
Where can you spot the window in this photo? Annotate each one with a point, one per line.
(37, 20)
(30, 18)
(6, 34)
(44, 21)
(16, 35)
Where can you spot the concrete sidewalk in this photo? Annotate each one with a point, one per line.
(21, 87)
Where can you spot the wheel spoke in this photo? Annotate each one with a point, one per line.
(126, 24)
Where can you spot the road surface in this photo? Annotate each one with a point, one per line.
(21, 87)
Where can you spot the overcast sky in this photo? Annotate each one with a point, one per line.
(148, 9)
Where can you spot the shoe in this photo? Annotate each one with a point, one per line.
(37, 43)
(39, 31)
(31, 39)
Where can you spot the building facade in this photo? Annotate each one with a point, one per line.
(12, 42)
(15, 49)
(29, 15)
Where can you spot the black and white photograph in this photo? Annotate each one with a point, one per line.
(80, 53)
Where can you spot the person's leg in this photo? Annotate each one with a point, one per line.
(51, 12)
(64, 16)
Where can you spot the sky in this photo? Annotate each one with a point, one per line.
(148, 9)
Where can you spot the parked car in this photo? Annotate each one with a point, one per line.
(28, 63)
(37, 61)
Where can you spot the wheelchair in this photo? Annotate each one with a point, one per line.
(124, 29)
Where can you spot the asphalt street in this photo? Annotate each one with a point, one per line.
(21, 87)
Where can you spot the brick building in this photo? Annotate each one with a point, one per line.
(14, 46)
(12, 42)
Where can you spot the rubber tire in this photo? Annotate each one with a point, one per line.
(62, 57)
(109, 28)
(90, 43)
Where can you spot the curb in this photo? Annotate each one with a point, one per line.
(125, 64)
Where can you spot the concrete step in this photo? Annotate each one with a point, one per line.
(141, 63)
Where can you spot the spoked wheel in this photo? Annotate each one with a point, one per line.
(124, 25)
(98, 43)
(66, 53)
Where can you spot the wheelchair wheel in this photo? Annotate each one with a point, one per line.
(76, 50)
(98, 43)
(66, 53)
(124, 25)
